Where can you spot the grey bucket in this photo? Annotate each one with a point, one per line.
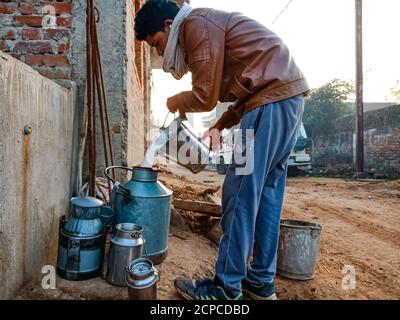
(298, 249)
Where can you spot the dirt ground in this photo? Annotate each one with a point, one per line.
(360, 228)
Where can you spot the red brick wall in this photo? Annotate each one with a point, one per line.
(22, 35)
(139, 52)
(334, 147)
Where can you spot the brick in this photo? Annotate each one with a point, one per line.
(32, 21)
(8, 34)
(116, 129)
(31, 34)
(27, 8)
(56, 34)
(63, 48)
(34, 59)
(64, 22)
(55, 73)
(33, 47)
(8, 8)
(46, 60)
(61, 7)
(55, 60)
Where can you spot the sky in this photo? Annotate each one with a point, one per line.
(321, 37)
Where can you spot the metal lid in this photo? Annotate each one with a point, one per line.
(87, 202)
(129, 230)
(144, 174)
(141, 269)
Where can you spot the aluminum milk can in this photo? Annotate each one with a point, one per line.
(126, 246)
(142, 280)
(185, 147)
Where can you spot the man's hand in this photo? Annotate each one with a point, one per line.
(214, 133)
(171, 107)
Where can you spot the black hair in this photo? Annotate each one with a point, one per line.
(150, 18)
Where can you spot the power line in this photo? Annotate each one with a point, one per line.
(283, 10)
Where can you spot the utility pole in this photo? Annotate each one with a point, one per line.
(359, 91)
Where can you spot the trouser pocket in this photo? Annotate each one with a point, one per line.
(276, 174)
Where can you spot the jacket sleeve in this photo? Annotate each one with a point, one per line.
(204, 44)
(232, 116)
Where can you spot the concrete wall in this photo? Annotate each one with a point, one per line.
(381, 143)
(35, 170)
(111, 35)
(127, 93)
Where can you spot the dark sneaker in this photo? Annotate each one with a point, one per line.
(204, 289)
(263, 292)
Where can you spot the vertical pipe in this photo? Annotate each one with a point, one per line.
(359, 90)
(101, 104)
(89, 98)
(93, 92)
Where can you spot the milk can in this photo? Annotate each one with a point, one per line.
(142, 280)
(82, 240)
(144, 201)
(126, 246)
(185, 147)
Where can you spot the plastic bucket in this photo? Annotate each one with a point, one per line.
(298, 249)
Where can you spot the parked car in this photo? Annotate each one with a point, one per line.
(299, 159)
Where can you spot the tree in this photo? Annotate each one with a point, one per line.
(395, 91)
(325, 104)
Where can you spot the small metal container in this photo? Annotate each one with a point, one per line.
(126, 246)
(185, 147)
(142, 280)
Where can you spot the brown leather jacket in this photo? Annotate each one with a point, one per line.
(234, 59)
